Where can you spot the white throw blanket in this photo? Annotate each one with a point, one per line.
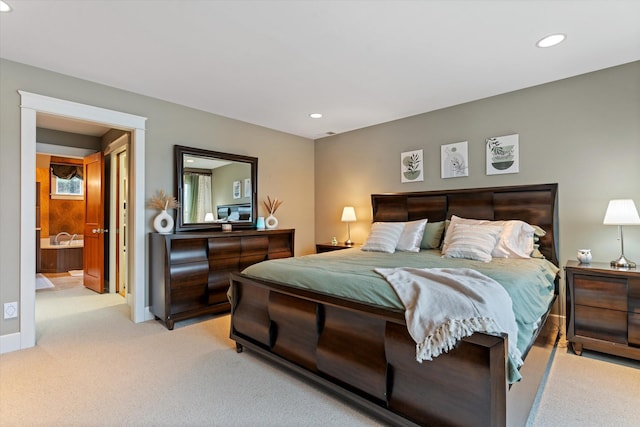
(444, 305)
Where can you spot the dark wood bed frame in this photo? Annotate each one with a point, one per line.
(365, 354)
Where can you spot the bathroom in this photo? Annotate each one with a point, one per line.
(60, 214)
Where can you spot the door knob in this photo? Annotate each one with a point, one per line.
(99, 230)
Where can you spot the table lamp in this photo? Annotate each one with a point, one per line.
(622, 212)
(348, 216)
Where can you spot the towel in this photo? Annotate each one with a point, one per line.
(444, 305)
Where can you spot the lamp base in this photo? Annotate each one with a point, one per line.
(622, 262)
(348, 242)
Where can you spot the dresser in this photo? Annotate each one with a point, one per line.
(189, 272)
(603, 309)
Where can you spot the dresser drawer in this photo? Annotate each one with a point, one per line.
(601, 292)
(600, 323)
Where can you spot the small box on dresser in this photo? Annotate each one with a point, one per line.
(603, 309)
(189, 272)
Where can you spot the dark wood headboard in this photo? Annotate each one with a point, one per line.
(534, 204)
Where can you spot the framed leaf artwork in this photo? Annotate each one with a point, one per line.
(503, 155)
(454, 160)
(411, 166)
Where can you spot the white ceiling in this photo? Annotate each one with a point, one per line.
(359, 63)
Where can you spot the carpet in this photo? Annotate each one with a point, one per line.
(42, 282)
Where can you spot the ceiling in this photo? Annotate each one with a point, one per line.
(359, 63)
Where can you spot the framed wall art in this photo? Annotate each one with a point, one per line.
(236, 189)
(247, 187)
(411, 166)
(454, 160)
(503, 155)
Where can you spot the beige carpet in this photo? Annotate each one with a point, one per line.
(94, 367)
(43, 282)
(590, 390)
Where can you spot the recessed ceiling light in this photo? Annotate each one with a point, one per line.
(4, 7)
(551, 40)
(315, 115)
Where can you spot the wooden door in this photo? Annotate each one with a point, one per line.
(93, 260)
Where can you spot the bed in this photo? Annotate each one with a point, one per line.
(361, 349)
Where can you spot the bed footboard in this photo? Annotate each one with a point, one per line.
(366, 355)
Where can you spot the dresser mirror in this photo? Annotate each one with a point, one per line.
(215, 188)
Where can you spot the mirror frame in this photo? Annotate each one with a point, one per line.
(179, 152)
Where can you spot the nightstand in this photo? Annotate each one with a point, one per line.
(328, 247)
(603, 309)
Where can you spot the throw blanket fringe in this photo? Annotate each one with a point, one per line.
(445, 337)
(444, 305)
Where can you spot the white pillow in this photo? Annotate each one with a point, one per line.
(411, 236)
(515, 240)
(472, 242)
(383, 237)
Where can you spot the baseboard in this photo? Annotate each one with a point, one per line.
(148, 315)
(10, 342)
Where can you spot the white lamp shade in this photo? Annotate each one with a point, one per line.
(208, 217)
(621, 212)
(348, 214)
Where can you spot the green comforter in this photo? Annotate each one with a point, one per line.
(350, 274)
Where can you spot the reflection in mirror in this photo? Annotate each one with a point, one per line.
(215, 188)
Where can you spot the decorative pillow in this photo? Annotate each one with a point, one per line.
(472, 241)
(383, 237)
(411, 236)
(536, 252)
(432, 235)
(537, 233)
(515, 240)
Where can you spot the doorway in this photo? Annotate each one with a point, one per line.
(31, 105)
(64, 215)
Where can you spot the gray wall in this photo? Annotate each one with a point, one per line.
(223, 179)
(168, 124)
(582, 133)
(56, 137)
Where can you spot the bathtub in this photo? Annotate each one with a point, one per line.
(62, 257)
(47, 243)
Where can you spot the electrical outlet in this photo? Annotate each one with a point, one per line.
(10, 310)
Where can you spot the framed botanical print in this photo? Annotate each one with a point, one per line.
(411, 166)
(454, 160)
(247, 187)
(503, 155)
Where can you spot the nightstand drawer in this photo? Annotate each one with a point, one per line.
(634, 295)
(602, 324)
(634, 329)
(600, 291)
